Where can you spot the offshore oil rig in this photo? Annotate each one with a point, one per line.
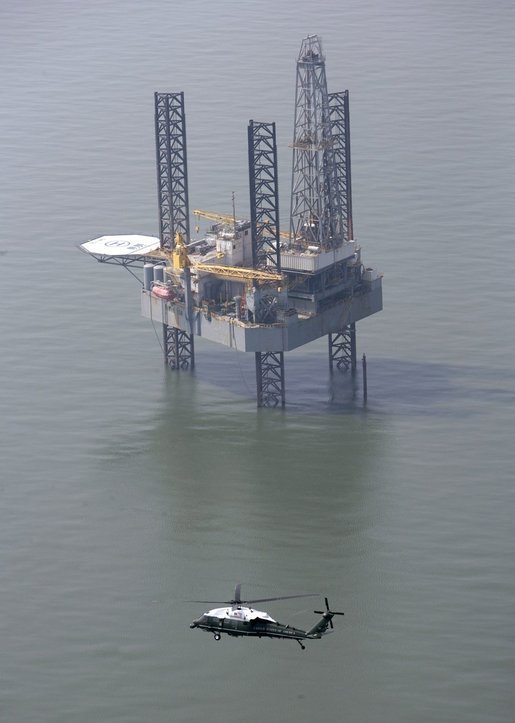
(247, 284)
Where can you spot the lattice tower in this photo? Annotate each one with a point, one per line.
(316, 208)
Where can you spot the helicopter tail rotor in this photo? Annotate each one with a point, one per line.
(327, 620)
(328, 612)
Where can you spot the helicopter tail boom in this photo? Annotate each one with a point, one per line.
(320, 628)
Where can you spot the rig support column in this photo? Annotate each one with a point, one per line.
(172, 167)
(342, 349)
(178, 348)
(340, 130)
(270, 379)
(264, 196)
(266, 253)
(172, 184)
(342, 346)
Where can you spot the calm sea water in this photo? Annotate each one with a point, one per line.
(126, 489)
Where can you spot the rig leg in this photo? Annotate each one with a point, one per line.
(178, 348)
(270, 379)
(301, 645)
(342, 349)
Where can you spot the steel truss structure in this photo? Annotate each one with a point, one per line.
(316, 213)
(340, 130)
(178, 348)
(320, 285)
(172, 185)
(270, 379)
(266, 252)
(127, 261)
(342, 349)
(264, 196)
(172, 167)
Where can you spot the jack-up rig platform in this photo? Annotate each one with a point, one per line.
(247, 284)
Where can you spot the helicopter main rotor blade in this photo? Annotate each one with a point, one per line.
(237, 601)
(281, 597)
(245, 602)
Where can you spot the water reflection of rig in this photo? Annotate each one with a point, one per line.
(247, 284)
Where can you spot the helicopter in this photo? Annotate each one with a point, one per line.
(236, 618)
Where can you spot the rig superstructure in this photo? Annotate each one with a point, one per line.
(247, 284)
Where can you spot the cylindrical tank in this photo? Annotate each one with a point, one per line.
(237, 303)
(148, 276)
(159, 272)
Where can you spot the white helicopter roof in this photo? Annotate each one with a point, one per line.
(121, 245)
(240, 613)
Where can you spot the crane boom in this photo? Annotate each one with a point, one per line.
(217, 217)
(226, 218)
(240, 273)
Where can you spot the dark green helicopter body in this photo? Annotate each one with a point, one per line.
(237, 619)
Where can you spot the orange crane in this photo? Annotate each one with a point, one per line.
(179, 260)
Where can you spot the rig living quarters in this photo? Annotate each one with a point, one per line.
(247, 284)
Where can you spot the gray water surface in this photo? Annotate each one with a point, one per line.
(126, 489)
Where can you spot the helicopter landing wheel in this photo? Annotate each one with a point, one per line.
(217, 636)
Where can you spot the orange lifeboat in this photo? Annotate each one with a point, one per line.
(163, 292)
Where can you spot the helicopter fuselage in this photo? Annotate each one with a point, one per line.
(242, 621)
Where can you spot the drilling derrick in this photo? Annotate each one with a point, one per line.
(316, 205)
(321, 198)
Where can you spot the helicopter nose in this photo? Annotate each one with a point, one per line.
(193, 624)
